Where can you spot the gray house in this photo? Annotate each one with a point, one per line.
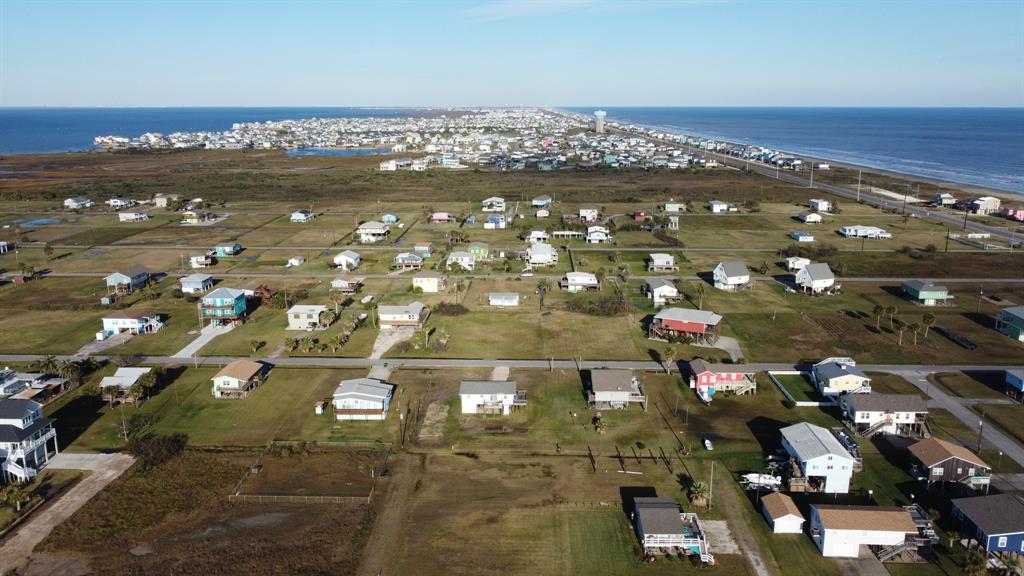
(125, 281)
(195, 283)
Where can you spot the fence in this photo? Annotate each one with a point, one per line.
(295, 499)
(798, 403)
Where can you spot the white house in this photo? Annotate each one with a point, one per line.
(414, 314)
(543, 213)
(490, 397)
(429, 281)
(362, 399)
(660, 291)
(407, 261)
(944, 199)
(346, 284)
(815, 277)
(536, 236)
(495, 222)
(782, 513)
(985, 205)
(834, 376)
(731, 275)
(588, 213)
(660, 525)
(794, 263)
(131, 321)
(295, 261)
(120, 203)
(305, 316)
(885, 413)
(163, 200)
(801, 236)
(200, 261)
(494, 204)
(718, 207)
(614, 389)
(237, 379)
(302, 216)
(660, 262)
(579, 282)
(117, 388)
(388, 166)
(859, 231)
(25, 439)
(77, 203)
(810, 217)
(825, 464)
(819, 205)
(598, 235)
(541, 254)
(674, 207)
(372, 232)
(195, 283)
(464, 260)
(503, 299)
(541, 201)
(840, 530)
(347, 260)
(132, 216)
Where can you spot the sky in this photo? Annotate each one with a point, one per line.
(496, 53)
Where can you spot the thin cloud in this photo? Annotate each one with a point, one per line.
(512, 9)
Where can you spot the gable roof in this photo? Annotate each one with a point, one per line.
(995, 514)
(413, 309)
(700, 365)
(810, 441)
(687, 315)
(196, 278)
(881, 518)
(734, 268)
(655, 283)
(778, 505)
(363, 388)
(240, 370)
(12, 408)
(932, 451)
(225, 294)
(817, 271)
(130, 314)
(887, 403)
(830, 370)
(611, 380)
(486, 387)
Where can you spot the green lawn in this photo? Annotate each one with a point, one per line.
(799, 387)
(886, 383)
(1009, 418)
(972, 384)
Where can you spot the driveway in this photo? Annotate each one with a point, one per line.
(499, 373)
(97, 346)
(388, 338)
(207, 334)
(866, 565)
(103, 469)
(730, 345)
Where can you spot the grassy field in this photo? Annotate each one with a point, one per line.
(991, 385)
(1008, 417)
(799, 387)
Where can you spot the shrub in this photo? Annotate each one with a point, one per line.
(153, 450)
(449, 309)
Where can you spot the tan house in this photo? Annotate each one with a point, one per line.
(237, 379)
(430, 281)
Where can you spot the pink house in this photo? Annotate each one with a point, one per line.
(441, 217)
(707, 379)
(1014, 214)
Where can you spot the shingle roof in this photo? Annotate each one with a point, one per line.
(734, 268)
(11, 408)
(885, 518)
(810, 441)
(655, 283)
(196, 278)
(486, 387)
(887, 403)
(832, 370)
(778, 505)
(130, 314)
(240, 370)
(611, 380)
(819, 271)
(9, 433)
(932, 451)
(659, 515)
(414, 309)
(224, 294)
(995, 514)
(366, 388)
(700, 365)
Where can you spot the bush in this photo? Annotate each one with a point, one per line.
(667, 239)
(153, 450)
(609, 305)
(449, 309)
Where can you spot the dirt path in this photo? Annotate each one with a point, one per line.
(391, 508)
(732, 501)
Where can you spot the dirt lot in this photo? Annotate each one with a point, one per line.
(319, 474)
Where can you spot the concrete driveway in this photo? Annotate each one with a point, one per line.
(207, 334)
(388, 338)
(97, 346)
(730, 345)
(103, 469)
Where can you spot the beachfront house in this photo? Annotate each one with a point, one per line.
(536, 236)
(614, 389)
(346, 284)
(238, 378)
(490, 397)
(302, 216)
(362, 399)
(598, 235)
(934, 460)
(347, 260)
(835, 376)
(429, 281)
(820, 205)
(127, 280)
(925, 293)
(815, 278)
(494, 204)
(841, 530)
(684, 324)
(869, 414)
(944, 199)
(579, 282)
(996, 522)
(660, 290)
(223, 306)
(1010, 321)
(782, 513)
(731, 275)
(78, 203)
(27, 439)
(372, 232)
(414, 314)
(985, 205)
(824, 464)
(305, 317)
(130, 321)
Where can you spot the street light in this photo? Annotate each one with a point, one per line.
(980, 294)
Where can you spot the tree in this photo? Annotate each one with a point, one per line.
(928, 320)
(701, 291)
(13, 495)
(901, 327)
(878, 312)
(371, 310)
(291, 344)
(71, 370)
(255, 345)
(699, 493)
(48, 251)
(327, 317)
(976, 564)
(668, 358)
(337, 298)
(47, 364)
(763, 268)
(952, 537)
(914, 328)
(337, 341)
(891, 311)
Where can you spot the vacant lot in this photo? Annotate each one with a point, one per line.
(991, 385)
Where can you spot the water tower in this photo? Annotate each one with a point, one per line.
(599, 121)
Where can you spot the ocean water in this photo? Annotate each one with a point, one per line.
(980, 146)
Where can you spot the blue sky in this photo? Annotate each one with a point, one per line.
(645, 53)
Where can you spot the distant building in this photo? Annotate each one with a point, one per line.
(1010, 321)
(599, 116)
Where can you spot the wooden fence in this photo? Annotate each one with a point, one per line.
(299, 499)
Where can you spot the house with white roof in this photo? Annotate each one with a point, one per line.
(347, 284)
(490, 397)
(718, 207)
(302, 216)
(795, 263)
(362, 399)
(825, 465)
(305, 316)
(731, 275)
(195, 283)
(118, 388)
(372, 232)
(676, 323)
(430, 281)
(661, 262)
(660, 291)
(541, 254)
(347, 260)
(820, 205)
(494, 204)
(536, 236)
(815, 278)
(810, 217)
(407, 261)
(132, 216)
(542, 201)
(131, 322)
(414, 314)
(598, 235)
(860, 231)
(78, 202)
(801, 236)
(588, 213)
(464, 260)
(503, 299)
(579, 282)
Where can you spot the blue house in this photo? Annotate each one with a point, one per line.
(389, 218)
(223, 305)
(996, 522)
(1015, 381)
(228, 249)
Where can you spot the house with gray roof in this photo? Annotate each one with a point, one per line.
(195, 283)
(127, 280)
(886, 413)
(995, 521)
(834, 376)
(362, 399)
(661, 525)
(815, 278)
(824, 464)
(926, 293)
(27, 439)
(731, 275)
(414, 314)
(660, 290)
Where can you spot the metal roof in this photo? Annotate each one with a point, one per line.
(810, 441)
(487, 387)
(687, 315)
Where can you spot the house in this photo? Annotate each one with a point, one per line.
(237, 379)
(362, 399)
(614, 389)
(834, 376)
(840, 530)
(537, 236)
(660, 525)
(801, 236)
(27, 439)
(937, 460)
(228, 249)
(131, 321)
(718, 207)
(424, 249)
(407, 261)
(1015, 383)
(164, 200)
(588, 213)
(295, 261)
(819, 205)
(925, 293)
(1010, 321)
(543, 213)
(389, 218)
(707, 379)
(302, 216)
(305, 316)
(430, 281)
(197, 216)
(579, 282)
(996, 522)
(598, 235)
(541, 254)
(223, 305)
(886, 413)
(815, 278)
(660, 262)
(673, 207)
(120, 203)
(132, 216)
(810, 217)
(495, 222)
(194, 283)
(440, 218)
(200, 261)
(30, 385)
(660, 291)
(673, 222)
(347, 260)
(388, 166)
(731, 275)
(503, 299)
(541, 201)
(372, 232)
(985, 205)
(78, 202)
(494, 204)
(464, 260)
(683, 323)
(346, 284)
(782, 513)
(4, 247)
(824, 464)
(127, 280)
(414, 314)
(944, 199)
(490, 397)
(859, 231)
(118, 389)
(479, 250)
(795, 263)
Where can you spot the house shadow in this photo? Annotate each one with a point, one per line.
(766, 431)
(897, 292)
(628, 493)
(983, 320)
(992, 380)
(75, 417)
(707, 277)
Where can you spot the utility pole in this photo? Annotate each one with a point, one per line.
(859, 172)
(811, 185)
(980, 294)
(965, 218)
(981, 429)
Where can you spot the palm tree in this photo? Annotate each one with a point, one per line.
(291, 344)
(928, 320)
(70, 370)
(371, 309)
(901, 327)
(337, 298)
(891, 311)
(47, 364)
(13, 495)
(878, 312)
(668, 358)
(952, 537)
(256, 345)
(699, 493)
(337, 341)
(914, 329)
(976, 564)
(763, 269)
(48, 251)
(701, 291)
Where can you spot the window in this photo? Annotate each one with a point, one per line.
(937, 471)
(1002, 542)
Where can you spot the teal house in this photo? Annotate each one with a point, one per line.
(1010, 321)
(228, 249)
(479, 250)
(926, 293)
(223, 306)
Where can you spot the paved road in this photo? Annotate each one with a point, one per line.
(103, 469)
(208, 333)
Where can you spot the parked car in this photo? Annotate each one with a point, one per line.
(708, 445)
